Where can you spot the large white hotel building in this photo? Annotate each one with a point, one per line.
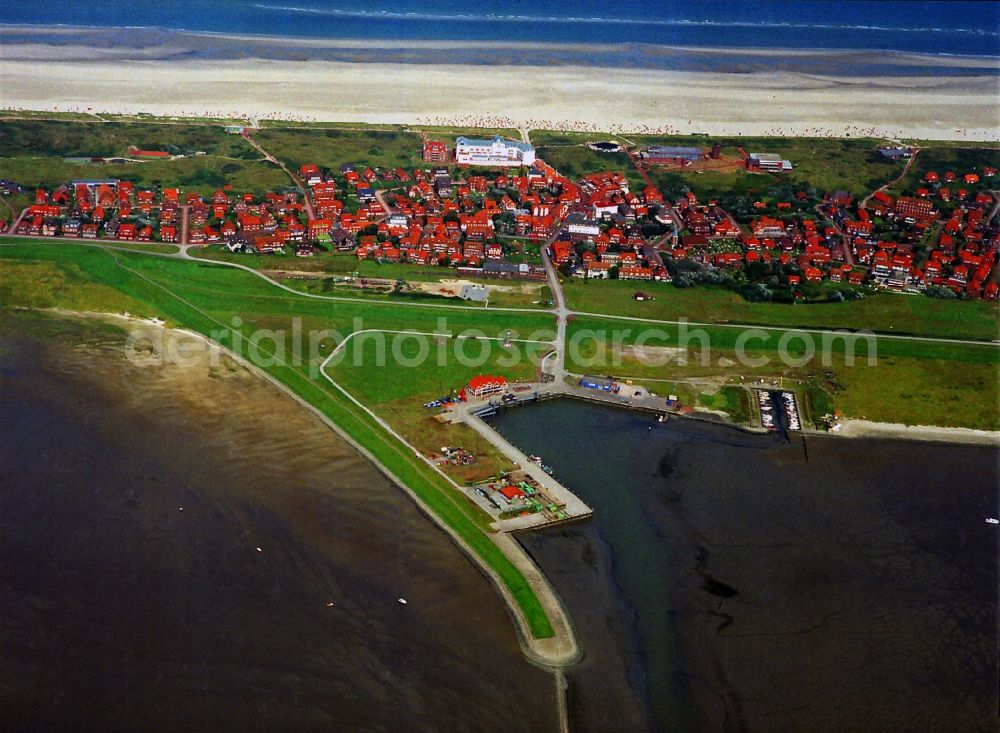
(496, 151)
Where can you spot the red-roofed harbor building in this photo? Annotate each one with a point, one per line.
(483, 385)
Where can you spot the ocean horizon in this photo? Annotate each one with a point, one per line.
(936, 29)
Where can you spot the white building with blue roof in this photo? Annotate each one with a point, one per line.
(492, 152)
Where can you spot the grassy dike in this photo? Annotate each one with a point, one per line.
(912, 315)
(204, 299)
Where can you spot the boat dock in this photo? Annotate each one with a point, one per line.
(778, 410)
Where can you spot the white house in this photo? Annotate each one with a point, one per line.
(496, 151)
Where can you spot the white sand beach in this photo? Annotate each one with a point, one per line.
(82, 78)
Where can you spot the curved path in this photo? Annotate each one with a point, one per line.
(561, 311)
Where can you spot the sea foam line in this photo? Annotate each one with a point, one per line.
(675, 22)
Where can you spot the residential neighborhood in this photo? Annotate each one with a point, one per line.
(487, 207)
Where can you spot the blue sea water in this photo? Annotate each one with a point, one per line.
(949, 28)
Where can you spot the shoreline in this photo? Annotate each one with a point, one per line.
(858, 428)
(550, 653)
(535, 650)
(901, 57)
(853, 428)
(582, 91)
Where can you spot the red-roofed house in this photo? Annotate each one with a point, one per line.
(435, 151)
(310, 172)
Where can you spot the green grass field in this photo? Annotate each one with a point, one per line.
(882, 312)
(72, 139)
(912, 382)
(369, 369)
(206, 298)
(514, 294)
(332, 147)
(203, 174)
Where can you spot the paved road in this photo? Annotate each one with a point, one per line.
(562, 313)
(185, 223)
(845, 244)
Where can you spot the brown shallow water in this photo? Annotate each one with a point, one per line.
(119, 611)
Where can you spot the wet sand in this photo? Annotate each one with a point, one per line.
(119, 611)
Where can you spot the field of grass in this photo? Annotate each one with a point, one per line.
(203, 174)
(152, 247)
(73, 139)
(336, 263)
(52, 285)
(28, 114)
(912, 382)
(371, 367)
(370, 370)
(521, 294)
(205, 298)
(882, 312)
(734, 401)
(332, 147)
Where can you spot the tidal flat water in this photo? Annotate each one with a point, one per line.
(120, 611)
(737, 582)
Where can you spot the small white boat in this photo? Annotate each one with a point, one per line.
(402, 601)
(992, 520)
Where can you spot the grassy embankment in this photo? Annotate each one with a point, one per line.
(205, 298)
(882, 312)
(912, 382)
